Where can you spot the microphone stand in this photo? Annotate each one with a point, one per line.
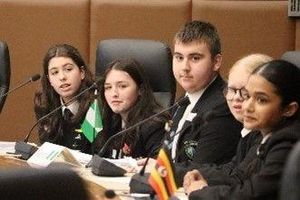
(26, 150)
(102, 167)
(31, 79)
(179, 103)
(139, 181)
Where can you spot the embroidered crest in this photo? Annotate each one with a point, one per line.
(190, 148)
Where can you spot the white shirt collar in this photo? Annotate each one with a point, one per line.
(194, 97)
(265, 138)
(73, 107)
(245, 132)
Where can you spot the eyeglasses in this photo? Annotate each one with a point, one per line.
(230, 92)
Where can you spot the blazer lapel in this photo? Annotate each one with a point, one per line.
(211, 97)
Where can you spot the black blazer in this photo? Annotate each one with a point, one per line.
(68, 136)
(147, 141)
(221, 174)
(212, 136)
(259, 178)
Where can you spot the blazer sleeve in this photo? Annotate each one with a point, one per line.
(261, 185)
(217, 140)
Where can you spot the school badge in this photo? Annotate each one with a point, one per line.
(190, 148)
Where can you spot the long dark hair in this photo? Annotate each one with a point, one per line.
(145, 106)
(47, 99)
(285, 78)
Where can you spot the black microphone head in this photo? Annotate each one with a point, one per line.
(35, 77)
(102, 167)
(184, 101)
(140, 184)
(98, 81)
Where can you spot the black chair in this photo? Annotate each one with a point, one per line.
(31, 184)
(154, 56)
(292, 57)
(4, 72)
(291, 176)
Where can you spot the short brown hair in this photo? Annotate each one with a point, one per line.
(202, 32)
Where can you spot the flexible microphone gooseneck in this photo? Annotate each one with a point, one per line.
(181, 102)
(25, 149)
(31, 79)
(103, 167)
(139, 181)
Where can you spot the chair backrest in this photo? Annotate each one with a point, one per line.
(291, 176)
(293, 57)
(29, 183)
(154, 56)
(4, 72)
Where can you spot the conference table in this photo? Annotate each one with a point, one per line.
(95, 191)
(95, 185)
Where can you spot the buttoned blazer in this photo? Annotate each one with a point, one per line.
(260, 178)
(213, 134)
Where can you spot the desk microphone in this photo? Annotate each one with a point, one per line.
(181, 102)
(26, 150)
(101, 166)
(139, 181)
(31, 79)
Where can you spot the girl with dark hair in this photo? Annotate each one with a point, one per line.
(271, 106)
(128, 99)
(65, 74)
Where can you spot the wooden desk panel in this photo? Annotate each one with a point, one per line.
(95, 191)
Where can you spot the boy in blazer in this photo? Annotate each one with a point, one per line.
(205, 131)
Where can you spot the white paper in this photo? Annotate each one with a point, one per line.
(7, 147)
(82, 158)
(126, 162)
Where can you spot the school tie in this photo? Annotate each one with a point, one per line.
(177, 116)
(67, 115)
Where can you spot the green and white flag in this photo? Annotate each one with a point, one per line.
(92, 123)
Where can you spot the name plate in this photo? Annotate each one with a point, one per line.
(48, 153)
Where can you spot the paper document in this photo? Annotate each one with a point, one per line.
(126, 162)
(7, 147)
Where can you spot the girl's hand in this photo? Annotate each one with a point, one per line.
(193, 180)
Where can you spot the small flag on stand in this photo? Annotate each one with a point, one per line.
(161, 177)
(92, 123)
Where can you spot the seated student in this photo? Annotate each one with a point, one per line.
(237, 79)
(65, 74)
(205, 131)
(271, 105)
(128, 99)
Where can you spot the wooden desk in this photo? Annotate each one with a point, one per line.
(95, 185)
(95, 191)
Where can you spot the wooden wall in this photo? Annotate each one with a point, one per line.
(30, 26)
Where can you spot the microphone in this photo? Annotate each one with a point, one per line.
(181, 102)
(139, 181)
(26, 150)
(31, 79)
(100, 165)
